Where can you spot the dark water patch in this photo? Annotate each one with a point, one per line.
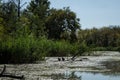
(77, 75)
(113, 66)
(63, 76)
(89, 67)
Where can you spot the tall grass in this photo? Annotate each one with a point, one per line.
(29, 49)
(22, 49)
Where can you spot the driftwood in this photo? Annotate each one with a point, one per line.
(2, 74)
(74, 56)
(3, 70)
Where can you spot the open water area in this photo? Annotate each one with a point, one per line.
(100, 66)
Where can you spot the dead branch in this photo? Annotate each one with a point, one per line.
(3, 74)
(12, 76)
(3, 70)
(74, 56)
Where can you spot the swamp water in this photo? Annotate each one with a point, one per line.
(94, 68)
(84, 76)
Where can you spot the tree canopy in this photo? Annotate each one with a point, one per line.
(38, 11)
(62, 21)
(37, 31)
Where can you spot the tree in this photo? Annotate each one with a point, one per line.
(61, 21)
(38, 11)
(104, 37)
(1, 22)
(19, 5)
(9, 16)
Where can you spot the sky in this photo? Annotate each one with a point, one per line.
(92, 13)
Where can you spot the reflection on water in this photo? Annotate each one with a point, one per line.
(114, 66)
(95, 76)
(66, 76)
(85, 76)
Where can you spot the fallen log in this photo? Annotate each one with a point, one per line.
(3, 74)
(12, 76)
(74, 56)
(3, 70)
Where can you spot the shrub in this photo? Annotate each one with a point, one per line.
(22, 49)
(60, 48)
(30, 49)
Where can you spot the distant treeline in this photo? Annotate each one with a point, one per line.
(106, 38)
(31, 34)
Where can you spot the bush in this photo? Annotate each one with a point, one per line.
(118, 48)
(98, 49)
(60, 48)
(22, 50)
(29, 49)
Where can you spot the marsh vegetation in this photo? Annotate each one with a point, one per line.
(32, 39)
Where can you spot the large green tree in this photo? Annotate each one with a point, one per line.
(10, 12)
(1, 21)
(62, 23)
(37, 12)
(9, 16)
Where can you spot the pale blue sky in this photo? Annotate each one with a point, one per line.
(92, 13)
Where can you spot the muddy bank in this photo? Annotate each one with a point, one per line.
(51, 67)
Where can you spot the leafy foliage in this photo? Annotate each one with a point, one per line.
(37, 11)
(106, 37)
(27, 49)
(9, 16)
(62, 21)
(37, 31)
